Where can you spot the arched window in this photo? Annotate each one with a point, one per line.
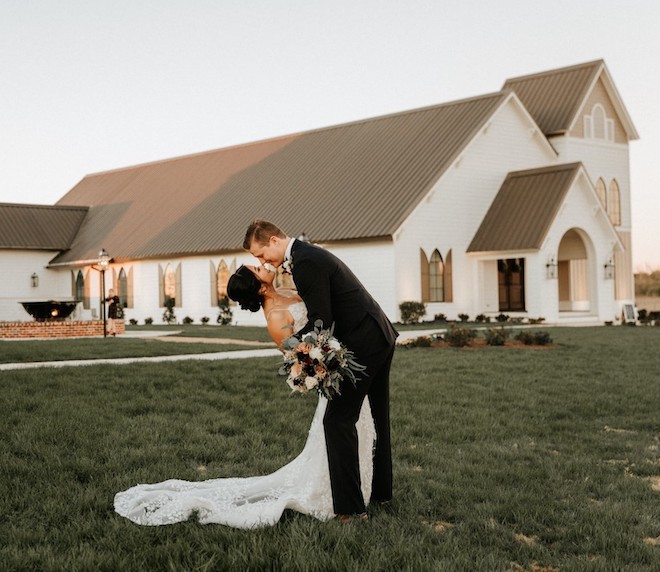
(169, 285)
(615, 203)
(601, 191)
(424, 269)
(222, 277)
(80, 290)
(598, 125)
(449, 288)
(436, 278)
(122, 288)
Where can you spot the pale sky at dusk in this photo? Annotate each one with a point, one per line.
(94, 85)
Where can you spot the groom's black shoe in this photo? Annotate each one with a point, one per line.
(348, 518)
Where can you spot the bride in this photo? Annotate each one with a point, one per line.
(247, 502)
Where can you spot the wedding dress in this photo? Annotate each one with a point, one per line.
(302, 485)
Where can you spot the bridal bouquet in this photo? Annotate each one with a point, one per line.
(317, 360)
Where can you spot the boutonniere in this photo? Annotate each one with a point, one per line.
(287, 266)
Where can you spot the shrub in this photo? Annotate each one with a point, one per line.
(463, 317)
(148, 321)
(411, 312)
(133, 322)
(188, 320)
(480, 318)
(496, 336)
(536, 320)
(168, 315)
(534, 338)
(458, 337)
(439, 318)
(225, 315)
(502, 318)
(205, 319)
(419, 342)
(542, 338)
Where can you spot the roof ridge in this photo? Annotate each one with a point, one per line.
(555, 71)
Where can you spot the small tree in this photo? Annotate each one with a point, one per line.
(168, 315)
(412, 312)
(225, 315)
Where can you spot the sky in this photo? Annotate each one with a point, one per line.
(94, 85)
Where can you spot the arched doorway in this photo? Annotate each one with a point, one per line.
(573, 272)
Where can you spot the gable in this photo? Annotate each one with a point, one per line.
(589, 116)
(556, 98)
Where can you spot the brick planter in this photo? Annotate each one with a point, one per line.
(61, 329)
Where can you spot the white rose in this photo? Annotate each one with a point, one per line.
(334, 344)
(316, 353)
(289, 381)
(310, 382)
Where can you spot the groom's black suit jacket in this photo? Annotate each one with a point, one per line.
(333, 294)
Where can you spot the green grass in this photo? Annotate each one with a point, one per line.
(95, 348)
(505, 459)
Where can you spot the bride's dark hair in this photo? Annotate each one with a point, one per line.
(243, 287)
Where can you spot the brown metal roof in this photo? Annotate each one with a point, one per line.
(356, 180)
(39, 227)
(553, 98)
(524, 208)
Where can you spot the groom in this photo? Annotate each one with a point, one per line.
(333, 294)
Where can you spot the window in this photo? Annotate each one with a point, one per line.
(169, 285)
(222, 277)
(436, 278)
(615, 203)
(598, 125)
(426, 283)
(449, 288)
(81, 295)
(122, 288)
(601, 191)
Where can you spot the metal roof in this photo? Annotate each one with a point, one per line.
(39, 227)
(554, 98)
(524, 208)
(356, 180)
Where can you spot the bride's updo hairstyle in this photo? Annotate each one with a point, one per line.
(243, 287)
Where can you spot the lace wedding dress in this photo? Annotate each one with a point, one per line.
(302, 485)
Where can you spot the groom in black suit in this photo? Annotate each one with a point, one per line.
(333, 294)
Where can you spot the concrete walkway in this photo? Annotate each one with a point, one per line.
(238, 354)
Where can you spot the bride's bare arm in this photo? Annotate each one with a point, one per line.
(280, 325)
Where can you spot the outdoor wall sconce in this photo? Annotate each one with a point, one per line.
(551, 269)
(609, 269)
(34, 280)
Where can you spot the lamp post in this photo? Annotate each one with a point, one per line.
(104, 259)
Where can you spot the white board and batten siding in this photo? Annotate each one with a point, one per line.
(17, 267)
(451, 213)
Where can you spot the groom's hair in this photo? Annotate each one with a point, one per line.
(260, 232)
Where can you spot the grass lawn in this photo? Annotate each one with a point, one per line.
(94, 348)
(505, 459)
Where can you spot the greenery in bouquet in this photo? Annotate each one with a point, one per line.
(318, 361)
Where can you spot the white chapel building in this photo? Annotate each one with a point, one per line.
(515, 202)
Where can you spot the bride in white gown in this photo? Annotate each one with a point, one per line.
(247, 502)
